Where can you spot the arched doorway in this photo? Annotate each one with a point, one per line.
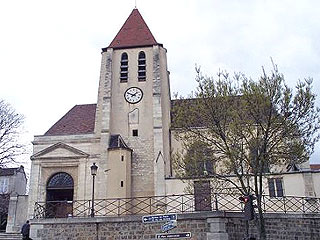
(59, 195)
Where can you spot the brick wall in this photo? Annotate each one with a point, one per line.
(203, 226)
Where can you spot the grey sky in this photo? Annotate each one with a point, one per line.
(50, 50)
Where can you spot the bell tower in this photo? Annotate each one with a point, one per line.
(133, 112)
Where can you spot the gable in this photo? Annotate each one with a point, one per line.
(59, 150)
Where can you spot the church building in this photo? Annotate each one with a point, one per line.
(126, 133)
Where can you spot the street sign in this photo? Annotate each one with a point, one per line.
(159, 218)
(173, 235)
(168, 226)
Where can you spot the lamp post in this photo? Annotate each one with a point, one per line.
(94, 169)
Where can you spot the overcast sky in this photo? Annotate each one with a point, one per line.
(50, 50)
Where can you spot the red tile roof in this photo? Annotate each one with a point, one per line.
(133, 33)
(315, 166)
(79, 120)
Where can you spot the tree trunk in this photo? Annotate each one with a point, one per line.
(261, 222)
(258, 191)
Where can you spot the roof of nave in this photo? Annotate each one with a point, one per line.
(133, 33)
(79, 120)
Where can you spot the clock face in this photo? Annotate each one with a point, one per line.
(133, 95)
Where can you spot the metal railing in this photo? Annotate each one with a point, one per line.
(186, 203)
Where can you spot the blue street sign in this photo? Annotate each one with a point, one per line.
(173, 235)
(159, 218)
(168, 226)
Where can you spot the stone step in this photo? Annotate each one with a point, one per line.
(10, 236)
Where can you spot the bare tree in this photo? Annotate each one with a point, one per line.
(10, 129)
(248, 127)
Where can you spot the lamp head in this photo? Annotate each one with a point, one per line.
(94, 169)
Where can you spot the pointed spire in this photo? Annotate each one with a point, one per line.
(134, 33)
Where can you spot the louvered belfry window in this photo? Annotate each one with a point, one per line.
(124, 67)
(142, 66)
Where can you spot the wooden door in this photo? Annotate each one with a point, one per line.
(202, 196)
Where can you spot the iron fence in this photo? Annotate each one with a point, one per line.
(186, 203)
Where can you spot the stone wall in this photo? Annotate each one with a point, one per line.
(110, 228)
(278, 226)
(203, 226)
(17, 213)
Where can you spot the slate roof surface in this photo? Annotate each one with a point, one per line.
(79, 120)
(116, 141)
(10, 171)
(133, 33)
(7, 171)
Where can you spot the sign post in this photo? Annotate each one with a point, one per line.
(159, 218)
(173, 235)
(170, 222)
(168, 226)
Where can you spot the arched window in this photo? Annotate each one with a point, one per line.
(142, 66)
(60, 180)
(124, 67)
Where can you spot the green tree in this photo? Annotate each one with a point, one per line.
(10, 129)
(249, 127)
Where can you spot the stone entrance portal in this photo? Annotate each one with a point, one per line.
(59, 195)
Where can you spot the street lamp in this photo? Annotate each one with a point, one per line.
(94, 169)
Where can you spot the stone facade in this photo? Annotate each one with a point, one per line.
(55, 157)
(203, 226)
